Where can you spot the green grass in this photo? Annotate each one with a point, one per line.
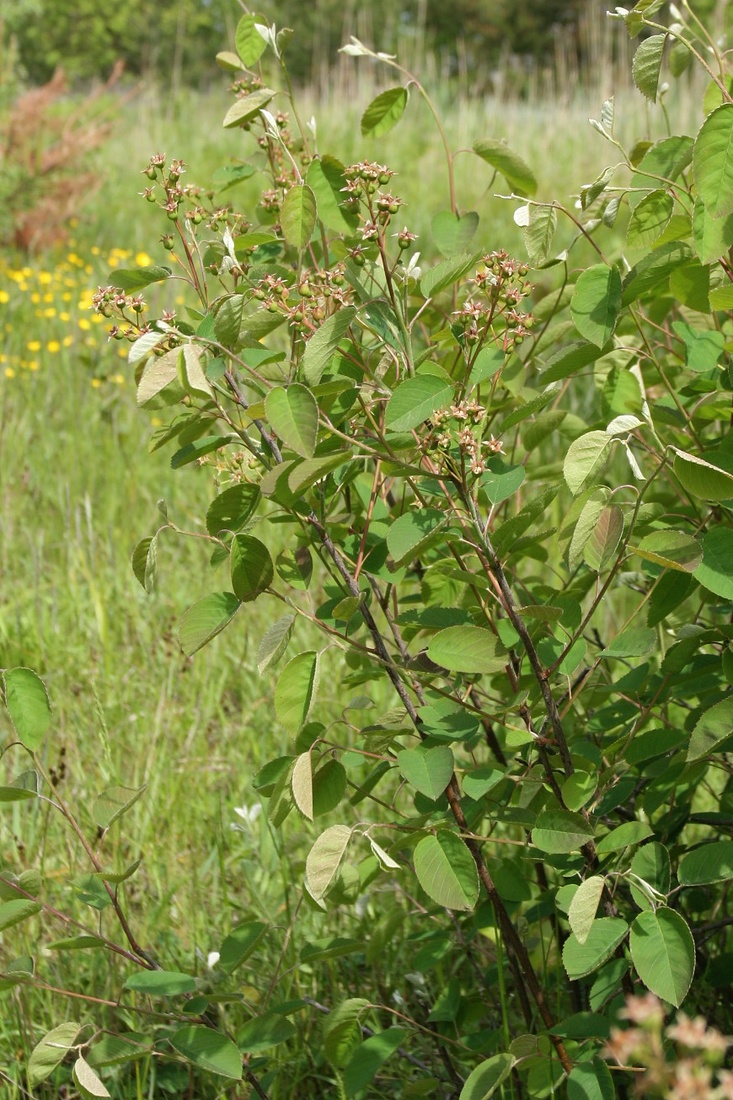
(78, 488)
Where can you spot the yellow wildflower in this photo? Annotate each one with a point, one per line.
(34, 345)
(53, 346)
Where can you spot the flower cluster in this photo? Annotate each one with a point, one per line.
(695, 1071)
(457, 432)
(500, 286)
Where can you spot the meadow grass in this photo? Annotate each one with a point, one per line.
(78, 488)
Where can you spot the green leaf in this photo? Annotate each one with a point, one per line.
(411, 532)
(232, 508)
(480, 781)
(671, 549)
(706, 864)
(631, 832)
(144, 559)
(323, 343)
(274, 643)
(712, 161)
(324, 859)
(209, 1050)
(113, 802)
(51, 1051)
(596, 302)
(649, 220)
(24, 786)
(560, 831)
(590, 1081)
(570, 359)
(295, 691)
(586, 525)
(651, 863)
(703, 347)
(647, 65)
(714, 725)
(643, 9)
(342, 1032)
(585, 460)
(540, 232)
(663, 952)
(247, 108)
(445, 274)
(701, 478)
(86, 1080)
(205, 619)
(329, 786)
(240, 944)
(578, 788)
(265, 1032)
(229, 175)
(192, 452)
(304, 475)
(716, 570)
(580, 959)
(368, 1058)
(584, 906)
(249, 42)
(446, 870)
(251, 566)
(486, 1078)
(467, 649)
(161, 983)
(603, 542)
(158, 373)
(415, 400)
(429, 771)
(301, 784)
(132, 279)
(453, 233)
(14, 912)
(632, 642)
(654, 268)
(298, 215)
(293, 415)
(326, 179)
(500, 481)
(515, 171)
(27, 701)
(77, 943)
(664, 161)
(384, 112)
(712, 236)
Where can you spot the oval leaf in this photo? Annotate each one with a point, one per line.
(663, 952)
(51, 1051)
(716, 569)
(560, 831)
(585, 460)
(252, 568)
(298, 215)
(672, 549)
(27, 701)
(701, 478)
(205, 619)
(325, 858)
(293, 415)
(483, 1082)
(706, 864)
(467, 649)
(584, 906)
(427, 770)
(209, 1050)
(295, 691)
(647, 65)
(712, 161)
(714, 726)
(515, 171)
(86, 1080)
(384, 112)
(161, 983)
(596, 302)
(415, 400)
(580, 959)
(446, 871)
